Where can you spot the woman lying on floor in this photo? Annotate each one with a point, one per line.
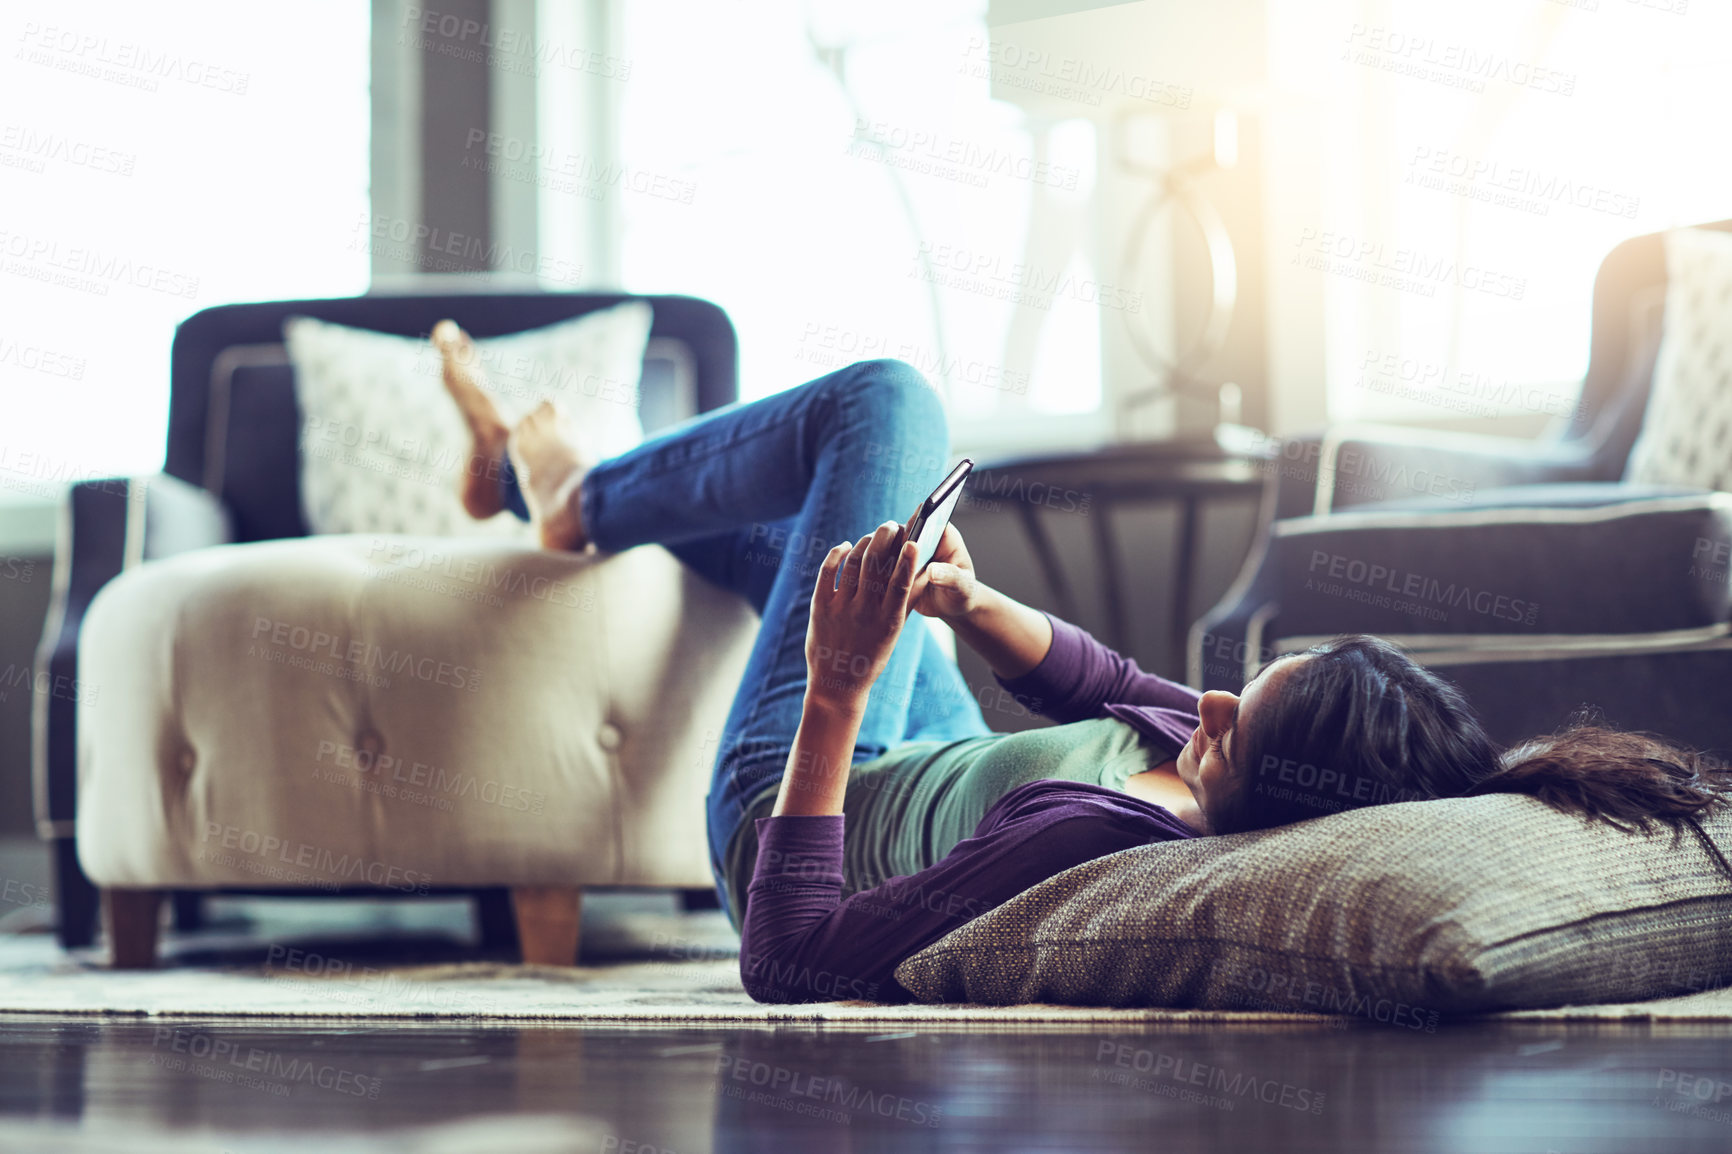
(860, 807)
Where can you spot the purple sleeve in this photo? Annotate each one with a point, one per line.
(1079, 677)
(801, 942)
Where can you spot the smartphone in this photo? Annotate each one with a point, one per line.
(926, 527)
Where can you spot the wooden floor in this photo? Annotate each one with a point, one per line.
(1467, 1088)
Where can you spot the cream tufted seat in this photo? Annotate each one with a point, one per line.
(404, 714)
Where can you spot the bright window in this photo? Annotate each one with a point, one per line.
(855, 192)
(156, 160)
(1481, 160)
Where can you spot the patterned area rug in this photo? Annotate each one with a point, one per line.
(36, 977)
(641, 966)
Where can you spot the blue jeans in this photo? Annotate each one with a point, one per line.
(752, 497)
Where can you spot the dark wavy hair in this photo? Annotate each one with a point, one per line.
(1361, 723)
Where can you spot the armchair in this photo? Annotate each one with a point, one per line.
(1526, 570)
(146, 754)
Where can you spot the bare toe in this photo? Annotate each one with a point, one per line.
(460, 369)
(550, 470)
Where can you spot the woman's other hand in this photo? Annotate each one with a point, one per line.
(858, 608)
(1012, 637)
(947, 588)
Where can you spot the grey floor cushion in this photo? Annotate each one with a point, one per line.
(1398, 913)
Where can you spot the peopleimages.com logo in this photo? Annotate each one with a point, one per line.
(1426, 595)
(243, 848)
(1322, 787)
(351, 657)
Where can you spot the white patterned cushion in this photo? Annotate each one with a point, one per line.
(382, 443)
(1687, 431)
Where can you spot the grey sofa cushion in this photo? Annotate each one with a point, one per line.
(1499, 576)
(1398, 913)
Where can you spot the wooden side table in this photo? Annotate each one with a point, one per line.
(1188, 473)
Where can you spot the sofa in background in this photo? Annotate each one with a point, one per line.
(1541, 576)
(254, 711)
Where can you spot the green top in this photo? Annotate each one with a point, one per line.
(906, 809)
(909, 807)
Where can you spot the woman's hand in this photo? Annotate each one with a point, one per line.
(858, 609)
(947, 588)
(1012, 637)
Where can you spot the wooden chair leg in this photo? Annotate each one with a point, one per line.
(133, 920)
(547, 923)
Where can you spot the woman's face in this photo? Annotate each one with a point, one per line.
(1203, 764)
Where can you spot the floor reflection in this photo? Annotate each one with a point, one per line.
(650, 1091)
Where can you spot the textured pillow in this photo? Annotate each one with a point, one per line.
(382, 443)
(1686, 434)
(1398, 913)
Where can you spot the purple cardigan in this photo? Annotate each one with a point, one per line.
(802, 943)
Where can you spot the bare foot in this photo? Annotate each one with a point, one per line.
(550, 470)
(478, 485)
